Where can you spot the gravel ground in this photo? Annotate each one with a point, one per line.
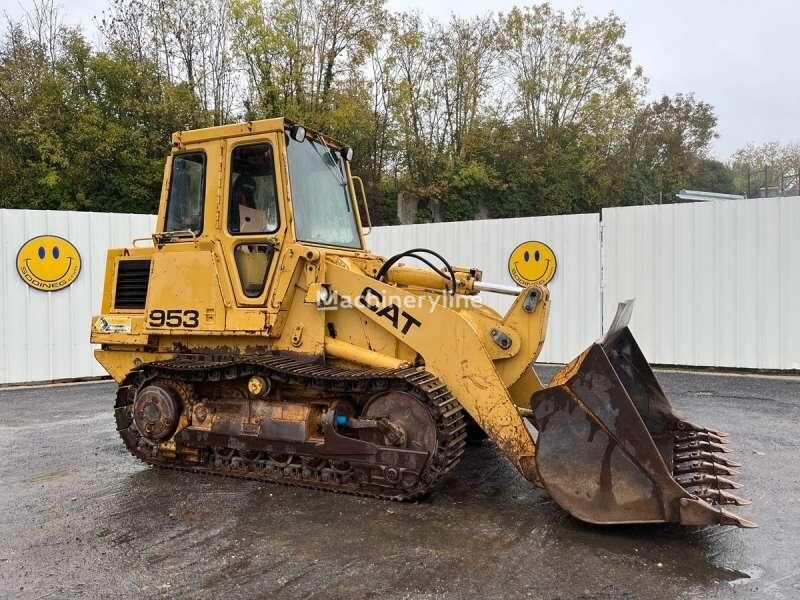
(80, 518)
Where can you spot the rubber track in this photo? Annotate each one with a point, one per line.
(291, 369)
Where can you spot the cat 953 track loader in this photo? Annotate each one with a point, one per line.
(254, 335)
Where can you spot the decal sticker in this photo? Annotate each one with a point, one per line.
(113, 324)
(174, 317)
(48, 263)
(532, 262)
(399, 319)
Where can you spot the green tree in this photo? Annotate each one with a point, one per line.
(712, 175)
(772, 164)
(665, 145)
(533, 112)
(569, 71)
(84, 130)
(576, 94)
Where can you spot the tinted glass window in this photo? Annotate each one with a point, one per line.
(186, 189)
(252, 261)
(252, 200)
(323, 212)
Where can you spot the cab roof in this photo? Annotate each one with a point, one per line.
(206, 134)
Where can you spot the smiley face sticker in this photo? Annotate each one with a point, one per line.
(532, 262)
(48, 263)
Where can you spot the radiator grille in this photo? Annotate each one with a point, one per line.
(132, 279)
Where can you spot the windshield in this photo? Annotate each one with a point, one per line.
(323, 212)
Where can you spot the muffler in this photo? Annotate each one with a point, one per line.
(611, 449)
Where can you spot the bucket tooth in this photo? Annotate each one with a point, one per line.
(696, 511)
(726, 517)
(703, 446)
(702, 466)
(695, 479)
(701, 455)
(717, 496)
(701, 436)
(729, 518)
(738, 521)
(687, 426)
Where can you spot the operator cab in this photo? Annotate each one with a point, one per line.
(229, 184)
(322, 203)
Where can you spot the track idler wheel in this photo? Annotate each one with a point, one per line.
(403, 422)
(156, 412)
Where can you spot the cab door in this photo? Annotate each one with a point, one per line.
(252, 223)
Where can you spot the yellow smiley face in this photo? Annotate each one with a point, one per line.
(48, 263)
(532, 262)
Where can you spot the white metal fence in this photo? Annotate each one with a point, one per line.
(717, 284)
(45, 335)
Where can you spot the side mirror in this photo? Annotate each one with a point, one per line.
(297, 133)
(363, 194)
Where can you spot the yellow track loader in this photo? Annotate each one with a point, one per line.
(254, 335)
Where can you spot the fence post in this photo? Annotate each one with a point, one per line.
(749, 191)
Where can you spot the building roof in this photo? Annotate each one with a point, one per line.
(697, 196)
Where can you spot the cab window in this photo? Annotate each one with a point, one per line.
(252, 198)
(323, 211)
(186, 193)
(252, 262)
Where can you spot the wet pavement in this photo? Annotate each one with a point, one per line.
(80, 518)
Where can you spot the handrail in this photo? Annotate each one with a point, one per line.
(364, 199)
(168, 236)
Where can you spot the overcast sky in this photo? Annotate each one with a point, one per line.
(740, 56)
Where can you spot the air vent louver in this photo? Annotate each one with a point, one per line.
(132, 279)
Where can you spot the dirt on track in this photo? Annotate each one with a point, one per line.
(80, 518)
